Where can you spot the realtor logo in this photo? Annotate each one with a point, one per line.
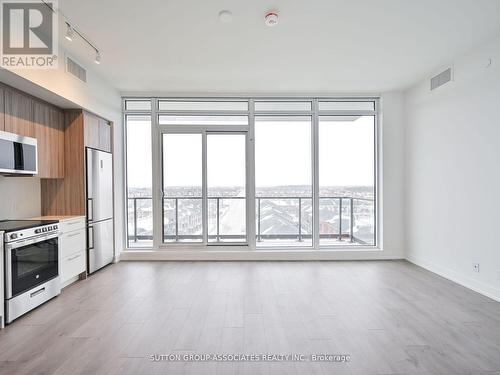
(29, 34)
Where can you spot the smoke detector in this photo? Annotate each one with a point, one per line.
(271, 19)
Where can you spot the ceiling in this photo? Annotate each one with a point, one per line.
(329, 46)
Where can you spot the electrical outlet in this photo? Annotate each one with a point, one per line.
(475, 267)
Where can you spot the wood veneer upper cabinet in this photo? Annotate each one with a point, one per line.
(49, 132)
(91, 130)
(18, 113)
(2, 109)
(104, 135)
(67, 196)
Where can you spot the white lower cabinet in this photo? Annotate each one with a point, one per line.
(72, 254)
(72, 266)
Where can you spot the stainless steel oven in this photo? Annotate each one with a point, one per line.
(30, 263)
(31, 269)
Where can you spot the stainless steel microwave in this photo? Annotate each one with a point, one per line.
(18, 154)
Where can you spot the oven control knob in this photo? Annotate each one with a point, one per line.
(49, 228)
(44, 229)
(13, 236)
(37, 231)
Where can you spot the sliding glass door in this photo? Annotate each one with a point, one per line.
(226, 187)
(204, 187)
(182, 187)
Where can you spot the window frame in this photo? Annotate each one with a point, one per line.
(315, 113)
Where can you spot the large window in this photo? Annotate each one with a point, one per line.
(283, 181)
(258, 173)
(139, 181)
(346, 179)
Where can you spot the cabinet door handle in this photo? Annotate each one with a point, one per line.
(73, 234)
(73, 258)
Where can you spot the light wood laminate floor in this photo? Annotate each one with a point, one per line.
(391, 317)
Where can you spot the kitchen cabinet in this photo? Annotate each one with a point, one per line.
(72, 249)
(18, 113)
(104, 135)
(97, 132)
(67, 196)
(91, 130)
(49, 132)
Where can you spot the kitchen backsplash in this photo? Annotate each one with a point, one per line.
(19, 197)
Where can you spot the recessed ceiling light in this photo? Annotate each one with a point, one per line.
(225, 16)
(271, 19)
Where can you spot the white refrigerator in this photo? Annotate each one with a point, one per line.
(100, 247)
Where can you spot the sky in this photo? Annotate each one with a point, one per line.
(282, 154)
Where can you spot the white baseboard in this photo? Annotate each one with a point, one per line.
(468, 282)
(255, 255)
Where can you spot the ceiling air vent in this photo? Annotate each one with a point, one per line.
(441, 79)
(75, 69)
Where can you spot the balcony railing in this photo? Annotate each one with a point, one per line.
(344, 206)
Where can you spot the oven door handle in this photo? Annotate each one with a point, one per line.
(31, 241)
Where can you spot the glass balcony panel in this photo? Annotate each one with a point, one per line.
(140, 219)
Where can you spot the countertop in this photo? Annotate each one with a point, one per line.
(58, 217)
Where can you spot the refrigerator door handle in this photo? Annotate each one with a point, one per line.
(91, 237)
(90, 209)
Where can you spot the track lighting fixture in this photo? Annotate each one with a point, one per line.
(70, 33)
(97, 59)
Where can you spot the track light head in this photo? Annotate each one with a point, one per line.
(69, 32)
(97, 59)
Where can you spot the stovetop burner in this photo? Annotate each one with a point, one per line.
(13, 225)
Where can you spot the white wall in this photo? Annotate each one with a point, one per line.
(97, 96)
(453, 173)
(19, 197)
(392, 186)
